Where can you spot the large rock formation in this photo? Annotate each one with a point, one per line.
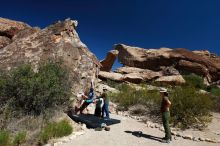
(198, 62)
(108, 62)
(130, 74)
(59, 42)
(8, 29)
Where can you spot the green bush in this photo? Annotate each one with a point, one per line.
(19, 138)
(189, 107)
(53, 130)
(4, 138)
(112, 83)
(194, 81)
(215, 91)
(129, 96)
(34, 92)
(3, 81)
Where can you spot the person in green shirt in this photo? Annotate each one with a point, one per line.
(165, 110)
(105, 108)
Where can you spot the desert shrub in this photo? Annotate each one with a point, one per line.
(215, 94)
(3, 82)
(34, 92)
(4, 138)
(19, 138)
(129, 96)
(215, 91)
(63, 128)
(194, 81)
(53, 130)
(189, 107)
(111, 83)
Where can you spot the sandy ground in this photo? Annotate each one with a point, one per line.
(124, 134)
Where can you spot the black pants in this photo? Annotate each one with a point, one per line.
(98, 112)
(84, 105)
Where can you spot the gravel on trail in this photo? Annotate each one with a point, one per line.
(127, 134)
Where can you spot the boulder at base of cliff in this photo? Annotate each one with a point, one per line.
(171, 80)
(111, 76)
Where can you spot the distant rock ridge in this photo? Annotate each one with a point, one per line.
(171, 63)
(21, 43)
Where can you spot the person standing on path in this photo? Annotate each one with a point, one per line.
(165, 110)
(105, 108)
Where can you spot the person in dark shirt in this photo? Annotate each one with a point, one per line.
(165, 110)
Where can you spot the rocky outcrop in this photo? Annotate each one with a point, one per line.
(9, 28)
(59, 42)
(100, 87)
(193, 67)
(171, 80)
(108, 62)
(133, 77)
(111, 76)
(4, 41)
(136, 75)
(146, 59)
(201, 63)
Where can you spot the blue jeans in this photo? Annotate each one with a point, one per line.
(105, 110)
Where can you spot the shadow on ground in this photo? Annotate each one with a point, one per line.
(140, 134)
(92, 121)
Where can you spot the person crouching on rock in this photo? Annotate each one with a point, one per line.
(165, 110)
(87, 100)
(105, 108)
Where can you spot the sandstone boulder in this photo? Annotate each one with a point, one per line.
(9, 28)
(171, 80)
(138, 73)
(4, 41)
(127, 70)
(194, 67)
(181, 59)
(111, 75)
(141, 58)
(133, 77)
(59, 42)
(108, 62)
(169, 70)
(99, 88)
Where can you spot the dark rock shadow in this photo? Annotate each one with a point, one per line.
(92, 121)
(140, 134)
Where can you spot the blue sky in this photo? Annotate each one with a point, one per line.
(191, 24)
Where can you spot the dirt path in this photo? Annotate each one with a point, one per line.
(123, 134)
